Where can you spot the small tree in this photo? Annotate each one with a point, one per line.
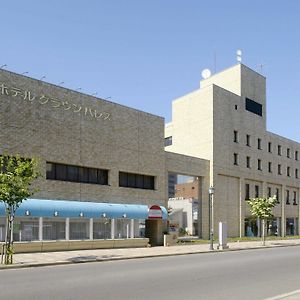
(16, 176)
(262, 209)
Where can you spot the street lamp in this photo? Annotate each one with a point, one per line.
(211, 191)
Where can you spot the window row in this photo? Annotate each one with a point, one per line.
(270, 166)
(290, 195)
(270, 145)
(63, 172)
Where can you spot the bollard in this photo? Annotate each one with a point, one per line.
(222, 236)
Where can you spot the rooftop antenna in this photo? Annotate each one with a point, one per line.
(239, 55)
(24, 73)
(43, 77)
(261, 66)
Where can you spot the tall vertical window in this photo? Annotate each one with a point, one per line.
(270, 147)
(248, 140)
(259, 144)
(296, 173)
(288, 153)
(279, 150)
(279, 169)
(277, 195)
(269, 192)
(287, 193)
(296, 155)
(288, 171)
(235, 159)
(248, 162)
(259, 165)
(295, 198)
(247, 191)
(235, 136)
(256, 191)
(270, 167)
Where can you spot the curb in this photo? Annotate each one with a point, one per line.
(58, 263)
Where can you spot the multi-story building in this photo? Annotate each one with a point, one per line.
(224, 121)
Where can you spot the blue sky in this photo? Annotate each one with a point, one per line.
(143, 54)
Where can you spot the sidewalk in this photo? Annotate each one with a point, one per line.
(22, 260)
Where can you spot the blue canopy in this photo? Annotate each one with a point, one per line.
(76, 209)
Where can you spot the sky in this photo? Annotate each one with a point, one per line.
(144, 54)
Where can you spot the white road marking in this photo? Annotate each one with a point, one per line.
(282, 296)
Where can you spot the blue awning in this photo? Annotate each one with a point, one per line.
(76, 209)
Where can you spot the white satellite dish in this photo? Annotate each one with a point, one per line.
(239, 52)
(206, 73)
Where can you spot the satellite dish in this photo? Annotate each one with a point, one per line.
(239, 52)
(206, 73)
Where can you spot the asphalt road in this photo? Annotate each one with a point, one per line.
(252, 274)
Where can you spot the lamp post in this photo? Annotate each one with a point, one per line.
(211, 191)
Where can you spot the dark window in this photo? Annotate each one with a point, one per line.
(247, 191)
(259, 165)
(296, 173)
(270, 167)
(279, 169)
(277, 195)
(287, 197)
(235, 136)
(71, 173)
(138, 181)
(270, 147)
(256, 191)
(279, 150)
(168, 141)
(259, 144)
(248, 142)
(236, 107)
(288, 171)
(288, 153)
(295, 198)
(235, 159)
(269, 192)
(253, 107)
(296, 155)
(248, 162)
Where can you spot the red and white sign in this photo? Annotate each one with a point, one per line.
(155, 212)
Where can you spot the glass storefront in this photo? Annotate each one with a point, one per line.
(291, 226)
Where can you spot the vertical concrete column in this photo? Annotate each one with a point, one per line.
(113, 229)
(283, 210)
(67, 229)
(40, 228)
(264, 193)
(91, 237)
(241, 207)
(132, 229)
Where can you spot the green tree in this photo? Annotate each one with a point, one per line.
(262, 209)
(16, 177)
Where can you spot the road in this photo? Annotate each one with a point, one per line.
(251, 274)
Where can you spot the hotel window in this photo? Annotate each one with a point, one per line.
(259, 165)
(279, 150)
(277, 195)
(295, 198)
(269, 192)
(256, 191)
(279, 169)
(248, 162)
(235, 136)
(288, 153)
(296, 155)
(270, 147)
(168, 141)
(56, 171)
(248, 141)
(253, 107)
(296, 173)
(288, 171)
(259, 144)
(247, 191)
(270, 167)
(287, 197)
(235, 159)
(138, 181)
